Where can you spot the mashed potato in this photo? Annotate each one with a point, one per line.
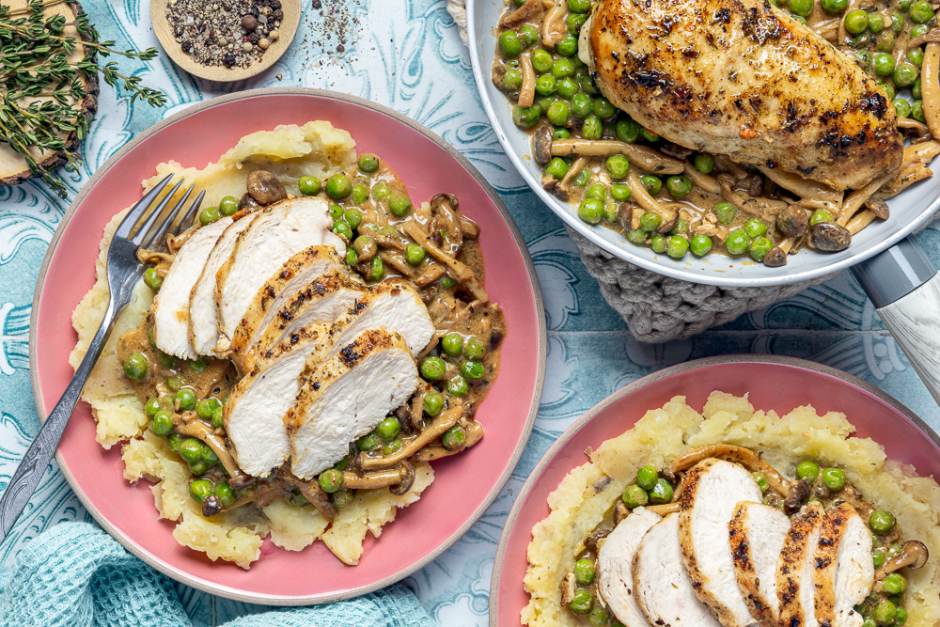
(588, 492)
(315, 149)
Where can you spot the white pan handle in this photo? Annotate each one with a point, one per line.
(905, 289)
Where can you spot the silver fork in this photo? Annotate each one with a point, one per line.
(124, 271)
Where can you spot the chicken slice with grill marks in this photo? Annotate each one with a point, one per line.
(615, 566)
(661, 583)
(171, 305)
(274, 236)
(346, 397)
(795, 587)
(293, 278)
(844, 570)
(741, 78)
(711, 491)
(757, 534)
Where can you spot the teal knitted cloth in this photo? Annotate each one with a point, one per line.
(75, 575)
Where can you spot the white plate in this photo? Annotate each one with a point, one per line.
(908, 210)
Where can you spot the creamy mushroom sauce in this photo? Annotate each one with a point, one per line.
(455, 305)
(758, 200)
(884, 546)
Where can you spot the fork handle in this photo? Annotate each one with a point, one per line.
(31, 469)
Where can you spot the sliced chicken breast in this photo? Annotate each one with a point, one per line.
(171, 304)
(298, 275)
(273, 237)
(203, 329)
(795, 568)
(661, 583)
(615, 566)
(845, 572)
(757, 535)
(255, 411)
(346, 397)
(711, 491)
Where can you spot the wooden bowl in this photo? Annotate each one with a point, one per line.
(221, 74)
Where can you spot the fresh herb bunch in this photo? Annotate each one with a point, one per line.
(42, 90)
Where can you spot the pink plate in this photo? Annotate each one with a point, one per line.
(465, 484)
(774, 383)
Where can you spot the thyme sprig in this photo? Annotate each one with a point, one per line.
(42, 89)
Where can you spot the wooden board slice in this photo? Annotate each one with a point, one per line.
(13, 168)
(288, 28)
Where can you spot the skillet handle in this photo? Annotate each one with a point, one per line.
(905, 289)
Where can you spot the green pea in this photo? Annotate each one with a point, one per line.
(360, 194)
(885, 613)
(918, 30)
(545, 102)
(603, 109)
(200, 490)
(152, 406)
(678, 186)
(888, 89)
(762, 482)
(700, 245)
(135, 366)
(574, 22)
(330, 480)
(612, 212)
(226, 495)
(917, 111)
(597, 191)
(198, 365)
(592, 128)
(760, 246)
(878, 557)
(558, 112)
(390, 448)
(637, 236)
(884, 64)
(737, 242)
(617, 166)
(869, 622)
(557, 168)
(582, 602)
(474, 349)
(620, 192)
(191, 450)
(598, 616)
(646, 477)
(905, 75)
(342, 498)
(414, 254)
(174, 440)
(884, 42)
(864, 57)
(381, 191)
(880, 521)
(894, 584)
(209, 456)
(473, 370)
(725, 212)
(562, 68)
(585, 570)
(583, 177)
(581, 106)
(894, 550)
(661, 492)
(653, 184)
(820, 215)
(900, 616)
(591, 210)
(206, 407)
(454, 438)
(367, 442)
(627, 130)
(650, 221)
(915, 90)
(546, 84)
(399, 205)
(704, 162)
(542, 61)
(834, 6)
(338, 186)
(567, 88)
(388, 429)
(801, 7)
(433, 403)
(457, 386)
(658, 243)
(153, 280)
(228, 206)
(512, 79)
(678, 247)
(579, 6)
(916, 56)
(649, 135)
(218, 417)
(921, 13)
(175, 383)
(185, 400)
(905, 5)
(528, 35)
(754, 227)
(897, 23)
(509, 43)
(526, 117)
(162, 423)
(681, 227)
(376, 269)
(861, 40)
(560, 133)
(902, 107)
(368, 163)
(876, 23)
(447, 282)
(433, 368)
(341, 227)
(856, 22)
(209, 215)
(800, 19)
(568, 47)
(833, 478)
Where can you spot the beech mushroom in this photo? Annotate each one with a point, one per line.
(666, 508)
(436, 429)
(797, 495)
(567, 589)
(542, 142)
(775, 257)
(645, 158)
(265, 188)
(406, 479)
(621, 511)
(913, 555)
(531, 11)
(315, 494)
(474, 433)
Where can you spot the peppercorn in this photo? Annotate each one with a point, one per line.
(249, 23)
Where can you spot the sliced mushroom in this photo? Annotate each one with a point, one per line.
(542, 141)
(799, 492)
(265, 188)
(531, 11)
(738, 454)
(407, 479)
(913, 555)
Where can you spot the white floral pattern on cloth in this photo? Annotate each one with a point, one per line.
(407, 54)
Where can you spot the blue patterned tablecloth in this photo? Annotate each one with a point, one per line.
(407, 54)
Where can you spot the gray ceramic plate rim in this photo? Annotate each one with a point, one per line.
(651, 378)
(224, 591)
(706, 270)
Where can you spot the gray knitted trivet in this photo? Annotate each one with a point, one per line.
(658, 308)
